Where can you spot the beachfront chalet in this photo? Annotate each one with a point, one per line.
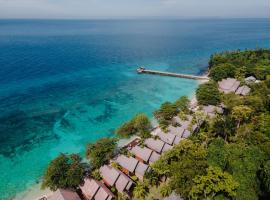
(186, 134)
(186, 124)
(132, 166)
(166, 137)
(145, 154)
(140, 170)
(142, 154)
(178, 131)
(154, 157)
(62, 194)
(232, 85)
(243, 90)
(92, 189)
(228, 85)
(173, 196)
(250, 79)
(155, 145)
(211, 110)
(166, 147)
(114, 177)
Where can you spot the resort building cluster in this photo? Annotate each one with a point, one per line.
(143, 154)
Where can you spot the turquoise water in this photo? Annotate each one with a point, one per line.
(66, 83)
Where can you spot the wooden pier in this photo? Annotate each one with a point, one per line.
(142, 70)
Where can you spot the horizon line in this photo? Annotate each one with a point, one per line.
(131, 18)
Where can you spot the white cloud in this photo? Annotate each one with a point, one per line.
(132, 8)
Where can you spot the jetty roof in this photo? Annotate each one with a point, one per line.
(62, 194)
(156, 145)
(143, 153)
(128, 163)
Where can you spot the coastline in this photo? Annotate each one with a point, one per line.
(35, 192)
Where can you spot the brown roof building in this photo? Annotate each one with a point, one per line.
(132, 165)
(142, 153)
(62, 194)
(92, 189)
(114, 177)
(166, 137)
(228, 85)
(156, 145)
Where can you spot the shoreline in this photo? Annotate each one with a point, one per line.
(35, 192)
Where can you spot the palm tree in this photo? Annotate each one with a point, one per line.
(140, 191)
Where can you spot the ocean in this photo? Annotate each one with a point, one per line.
(65, 83)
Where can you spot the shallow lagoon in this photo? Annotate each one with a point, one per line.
(66, 83)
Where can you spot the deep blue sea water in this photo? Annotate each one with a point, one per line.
(65, 83)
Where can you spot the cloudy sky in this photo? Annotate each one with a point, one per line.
(133, 8)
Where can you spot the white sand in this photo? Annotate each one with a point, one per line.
(33, 193)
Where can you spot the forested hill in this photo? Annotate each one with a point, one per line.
(229, 158)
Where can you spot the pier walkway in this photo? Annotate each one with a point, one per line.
(142, 70)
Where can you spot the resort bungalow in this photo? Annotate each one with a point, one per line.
(62, 194)
(211, 110)
(92, 189)
(157, 145)
(185, 124)
(145, 154)
(132, 166)
(243, 90)
(178, 131)
(166, 137)
(114, 177)
(186, 134)
(250, 79)
(228, 85)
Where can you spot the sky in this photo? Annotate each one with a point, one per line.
(73, 9)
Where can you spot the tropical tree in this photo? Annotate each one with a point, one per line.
(182, 104)
(222, 71)
(140, 191)
(265, 176)
(140, 124)
(241, 113)
(65, 171)
(208, 93)
(213, 183)
(179, 165)
(101, 151)
(165, 190)
(166, 111)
